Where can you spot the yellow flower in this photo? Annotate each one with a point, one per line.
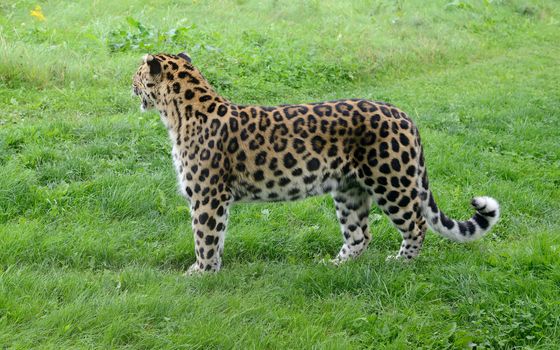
(38, 13)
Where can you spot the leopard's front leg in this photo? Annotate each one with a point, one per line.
(209, 222)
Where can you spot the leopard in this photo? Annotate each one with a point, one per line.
(359, 151)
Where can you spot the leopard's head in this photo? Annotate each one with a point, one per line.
(149, 77)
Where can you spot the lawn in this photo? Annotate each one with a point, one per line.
(94, 237)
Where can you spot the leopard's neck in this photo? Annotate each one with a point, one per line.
(187, 97)
(186, 101)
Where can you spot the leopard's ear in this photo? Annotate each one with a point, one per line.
(185, 56)
(153, 63)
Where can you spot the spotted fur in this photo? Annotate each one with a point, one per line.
(357, 150)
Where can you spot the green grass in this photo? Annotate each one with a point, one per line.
(94, 238)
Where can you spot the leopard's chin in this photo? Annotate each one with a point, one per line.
(145, 106)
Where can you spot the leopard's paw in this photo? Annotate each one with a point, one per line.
(394, 257)
(194, 270)
(338, 261)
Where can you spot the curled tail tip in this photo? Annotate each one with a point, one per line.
(487, 213)
(486, 206)
(486, 216)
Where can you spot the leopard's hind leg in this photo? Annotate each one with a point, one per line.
(401, 203)
(352, 209)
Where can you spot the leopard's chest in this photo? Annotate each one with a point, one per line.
(180, 163)
(193, 174)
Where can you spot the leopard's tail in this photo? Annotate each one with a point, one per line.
(486, 215)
